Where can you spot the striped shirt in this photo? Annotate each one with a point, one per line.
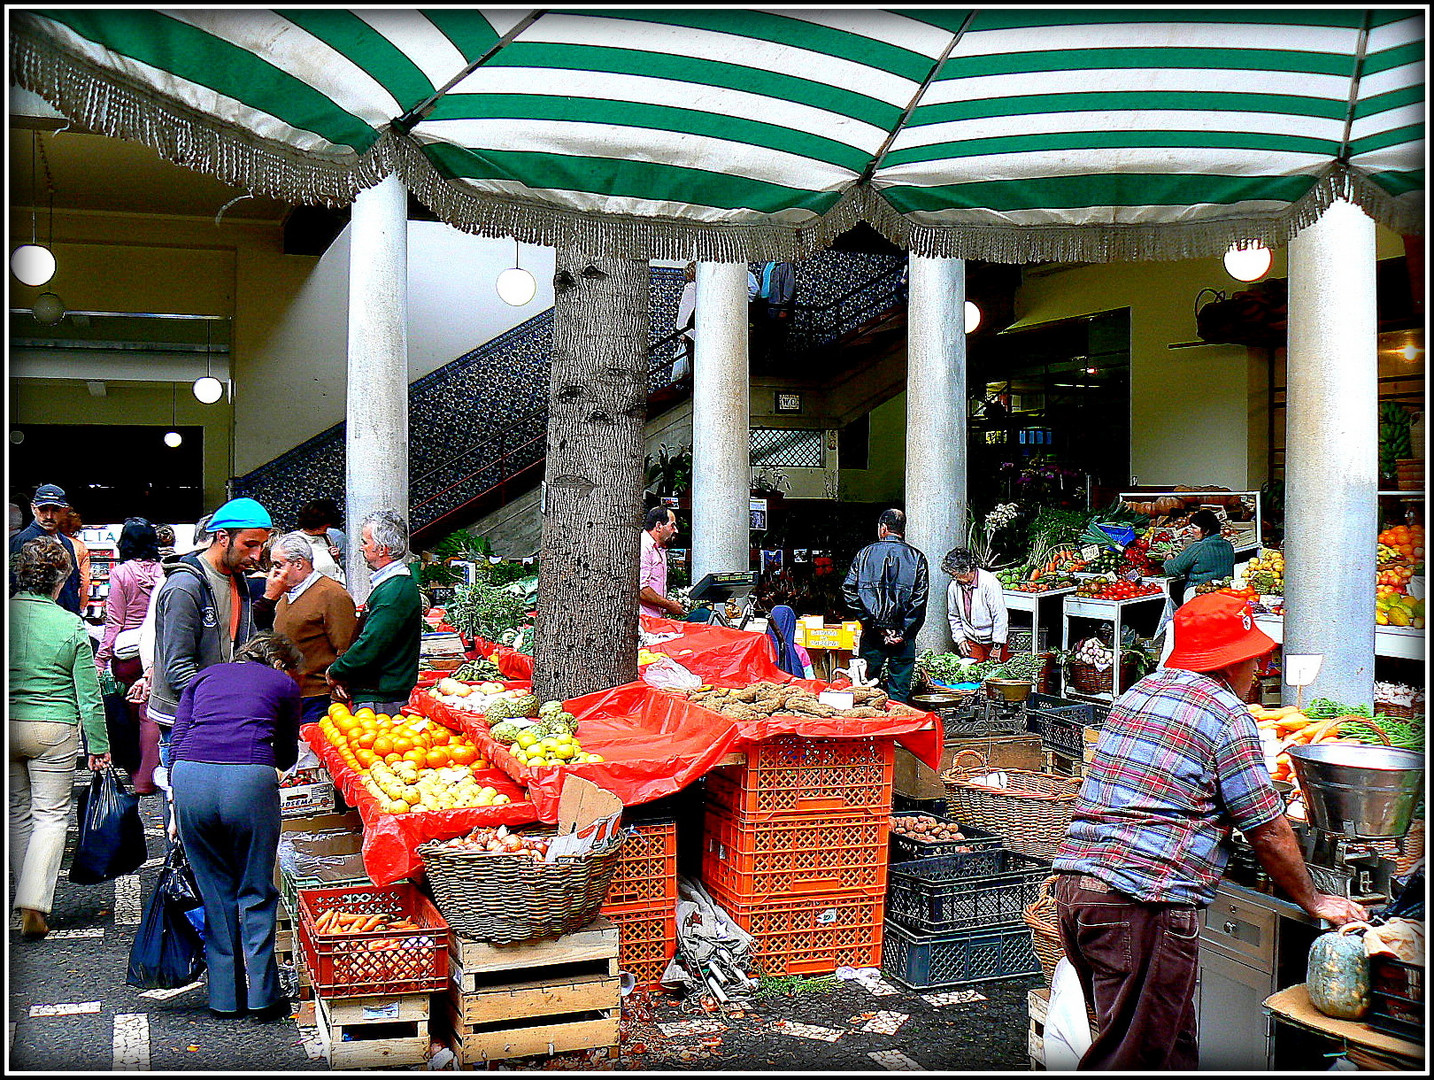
(1178, 763)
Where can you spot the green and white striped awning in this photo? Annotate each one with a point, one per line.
(1015, 135)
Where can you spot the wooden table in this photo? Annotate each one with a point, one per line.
(1374, 1049)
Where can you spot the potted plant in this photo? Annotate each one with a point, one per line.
(669, 475)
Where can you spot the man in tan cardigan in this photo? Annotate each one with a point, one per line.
(316, 613)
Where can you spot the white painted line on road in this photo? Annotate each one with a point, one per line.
(158, 860)
(894, 1060)
(953, 997)
(692, 1027)
(65, 1010)
(312, 1042)
(127, 900)
(886, 1023)
(165, 995)
(131, 1041)
(806, 1031)
(88, 931)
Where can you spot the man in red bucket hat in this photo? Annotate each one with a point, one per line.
(1177, 766)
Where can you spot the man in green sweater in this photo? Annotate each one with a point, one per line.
(380, 668)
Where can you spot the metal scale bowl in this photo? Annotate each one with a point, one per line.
(1355, 794)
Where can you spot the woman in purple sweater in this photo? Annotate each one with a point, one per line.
(235, 732)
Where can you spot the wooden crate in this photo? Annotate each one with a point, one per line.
(472, 958)
(1036, 1003)
(542, 997)
(1061, 764)
(374, 1032)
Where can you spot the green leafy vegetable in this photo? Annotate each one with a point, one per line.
(486, 611)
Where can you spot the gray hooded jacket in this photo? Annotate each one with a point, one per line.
(187, 635)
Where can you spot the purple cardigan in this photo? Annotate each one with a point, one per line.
(238, 714)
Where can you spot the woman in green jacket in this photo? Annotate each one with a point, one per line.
(53, 689)
(1208, 559)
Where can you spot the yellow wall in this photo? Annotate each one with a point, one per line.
(1197, 415)
(884, 478)
(166, 265)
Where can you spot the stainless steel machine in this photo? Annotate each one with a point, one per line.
(1254, 941)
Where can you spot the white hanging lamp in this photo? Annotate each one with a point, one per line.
(1248, 263)
(207, 388)
(33, 263)
(515, 285)
(172, 437)
(973, 317)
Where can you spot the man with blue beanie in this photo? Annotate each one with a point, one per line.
(204, 609)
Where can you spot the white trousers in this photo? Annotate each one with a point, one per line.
(42, 780)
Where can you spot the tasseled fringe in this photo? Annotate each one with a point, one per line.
(102, 100)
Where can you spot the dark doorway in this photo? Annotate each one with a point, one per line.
(112, 471)
(1055, 395)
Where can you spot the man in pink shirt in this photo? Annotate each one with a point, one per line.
(658, 531)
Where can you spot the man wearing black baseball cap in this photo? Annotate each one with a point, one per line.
(49, 506)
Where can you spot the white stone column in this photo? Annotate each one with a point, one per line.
(376, 439)
(936, 427)
(1331, 455)
(721, 411)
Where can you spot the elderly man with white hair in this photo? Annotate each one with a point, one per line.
(316, 613)
(380, 668)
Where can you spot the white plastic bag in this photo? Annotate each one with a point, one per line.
(665, 673)
(1067, 1026)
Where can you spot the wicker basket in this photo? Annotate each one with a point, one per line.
(1032, 812)
(507, 898)
(1397, 712)
(1088, 679)
(1040, 916)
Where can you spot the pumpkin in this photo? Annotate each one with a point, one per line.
(1337, 976)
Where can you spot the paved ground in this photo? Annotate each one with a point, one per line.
(70, 1010)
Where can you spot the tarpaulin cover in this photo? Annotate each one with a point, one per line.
(510, 662)
(717, 654)
(390, 841)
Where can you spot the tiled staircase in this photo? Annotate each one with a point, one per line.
(478, 425)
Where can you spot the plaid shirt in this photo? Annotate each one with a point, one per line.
(1178, 762)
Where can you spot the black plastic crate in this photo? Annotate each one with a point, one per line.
(934, 807)
(931, 961)
(1396, 998)
(988, 888)
(905, 849)
(1061, 723)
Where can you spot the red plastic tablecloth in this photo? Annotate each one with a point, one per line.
(390, 841)
(511, 663)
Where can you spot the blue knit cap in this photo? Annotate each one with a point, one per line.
(240, 514)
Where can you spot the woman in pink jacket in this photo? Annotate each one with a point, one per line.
(131, 583)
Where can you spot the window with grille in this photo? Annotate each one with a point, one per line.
(787, 448)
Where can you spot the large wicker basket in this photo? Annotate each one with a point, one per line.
(1088, 679)
(507, 898)
(1040, 916)
(1032, 811)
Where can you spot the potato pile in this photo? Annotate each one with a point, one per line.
(764, 699)
(928, 830)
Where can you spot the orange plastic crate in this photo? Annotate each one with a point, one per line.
(791, 775)
(790, 856)
(647, 939)
(378, 962)
(812, 935)
(647, 869)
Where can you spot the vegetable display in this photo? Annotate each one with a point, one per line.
(763, 700)
(1096, 589)
(335, 921)
(928, 830)
(484, 840)
(951, 669)
(479, 670)
(486, 611)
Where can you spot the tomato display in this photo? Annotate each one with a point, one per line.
(1116, 590)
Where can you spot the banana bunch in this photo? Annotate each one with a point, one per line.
(1389, 556)
(1394, 441)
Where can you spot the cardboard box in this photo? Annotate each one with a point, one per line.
(307, 800)
(587, 814)
(832, 636)
(916, 780)
(330, 822)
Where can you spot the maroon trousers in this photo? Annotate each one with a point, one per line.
(1137, 964)
(128, 673)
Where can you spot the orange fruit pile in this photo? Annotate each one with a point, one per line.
(363, 738)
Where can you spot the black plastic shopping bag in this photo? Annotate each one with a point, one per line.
(123, 733)
(111, 842)
(168, 951)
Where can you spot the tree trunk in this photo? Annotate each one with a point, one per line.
(586, 626)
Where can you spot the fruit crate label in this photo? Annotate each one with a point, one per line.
(386, 1011)
(1089, 552)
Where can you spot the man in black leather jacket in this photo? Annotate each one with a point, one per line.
(886, 588)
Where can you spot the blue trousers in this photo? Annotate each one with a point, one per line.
(229, 824)
(313, 709)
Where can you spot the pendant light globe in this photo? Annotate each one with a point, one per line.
(208, 389)
(49, 309)
(172, 438)
(973, 317)
(32, 264)
(516, 286)
(1248, 263)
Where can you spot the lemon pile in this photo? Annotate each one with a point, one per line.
(405, 787)
(532, 749)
